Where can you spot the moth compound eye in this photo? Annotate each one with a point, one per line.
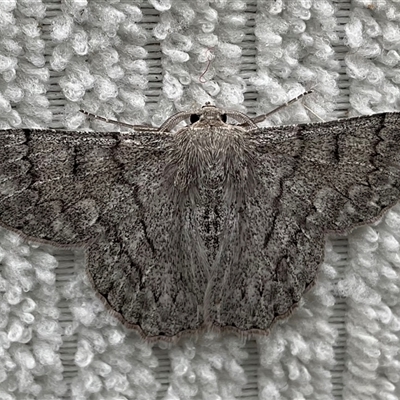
(224, 118)
(194, 118)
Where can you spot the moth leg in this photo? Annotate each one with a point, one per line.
(113, 121)
(313, 113)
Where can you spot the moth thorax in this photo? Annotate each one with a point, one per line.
(212, 158)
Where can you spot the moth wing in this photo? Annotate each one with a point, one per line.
(103, 190)
(50, 183)
(150, 276)
(311, 180)
(347, 172)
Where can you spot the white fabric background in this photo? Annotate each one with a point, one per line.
(141, 61)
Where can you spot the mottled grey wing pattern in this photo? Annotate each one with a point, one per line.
(49, 183)
(107, 192)
(214, 226)
(312, 179)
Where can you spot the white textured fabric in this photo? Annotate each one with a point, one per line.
(140, 62)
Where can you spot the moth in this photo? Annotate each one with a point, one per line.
(218, 225)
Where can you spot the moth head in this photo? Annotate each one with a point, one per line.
(209, 115)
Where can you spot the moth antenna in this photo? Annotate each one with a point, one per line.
(113, 121)
(173, 121)
(261, 118)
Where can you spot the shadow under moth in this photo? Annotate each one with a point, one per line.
(218, 225)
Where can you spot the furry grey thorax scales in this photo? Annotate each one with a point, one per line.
(217, 225)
